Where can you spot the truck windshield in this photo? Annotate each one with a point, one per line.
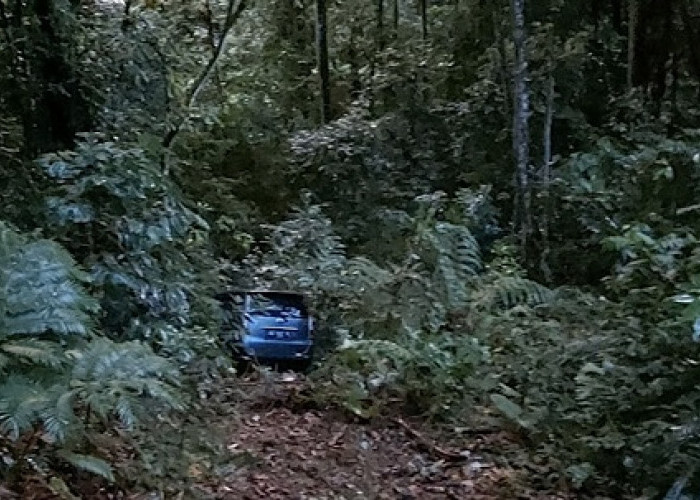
(277, 304)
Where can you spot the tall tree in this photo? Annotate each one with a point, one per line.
(380, 24)
(546, 178)
(632, 19)
(693, 39)
(322, 50)
(396, 15)
(41, 78)
(521, 134)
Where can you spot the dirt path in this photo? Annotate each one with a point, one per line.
(310, 454)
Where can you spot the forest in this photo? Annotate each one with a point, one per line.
(492, 206)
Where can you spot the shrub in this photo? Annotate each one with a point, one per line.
(58, 375)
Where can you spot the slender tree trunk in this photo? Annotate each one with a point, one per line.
(59, 109)
(632, 18)
(424, 17)
(521, 133)
(674, 82)
(503, 60)
(595, 12)
(380, 25)
(353, 59)
(18, 93)
(617, 16)
(547, 175)
(126, 21)
(396, 15)
(693, 40)
(211, 38)
(322, 53)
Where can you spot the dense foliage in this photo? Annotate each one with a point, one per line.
(492, 205)
(61, 381)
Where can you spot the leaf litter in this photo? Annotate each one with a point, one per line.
(296, 452)
(277, 447)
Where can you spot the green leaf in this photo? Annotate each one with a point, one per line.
(510, 409)
(88, 463)
(579, 473)
(592, 368)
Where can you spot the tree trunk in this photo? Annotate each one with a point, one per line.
(692, 40)
(354, 60)
(396, 15)
(126, 21)
(211, 38)
(521, 133)
(58, 107)
(322, 52)
(632, 18)
(547, 175)
(674, 83)
(617, 16)
(424, 17)
(504, 74)
(380, 25)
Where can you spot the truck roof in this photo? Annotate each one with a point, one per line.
(260, 291)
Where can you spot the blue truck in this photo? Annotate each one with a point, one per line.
(267, 326)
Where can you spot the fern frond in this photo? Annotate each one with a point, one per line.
(5, 361)
(134, 360)
(42, 290)
(26, 404)
(125, 411)
(506, 292)
(35, 351)
(367, 276)
(21, 403)
(88, 463)
(111, 377)
(378, 348)
(456, 259)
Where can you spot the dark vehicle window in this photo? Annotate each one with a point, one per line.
(277, 304)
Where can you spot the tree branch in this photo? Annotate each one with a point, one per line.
(212, 42)
(434, 449)
(233, 12)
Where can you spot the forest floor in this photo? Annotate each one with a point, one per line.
(277, 448)
(293, 452)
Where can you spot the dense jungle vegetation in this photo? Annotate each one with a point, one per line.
(493, 205)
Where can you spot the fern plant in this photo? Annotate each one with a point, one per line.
(54, 367)
(497, 292)
(435, 278)
(429, 375)
(41, 300)
(113, 381)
